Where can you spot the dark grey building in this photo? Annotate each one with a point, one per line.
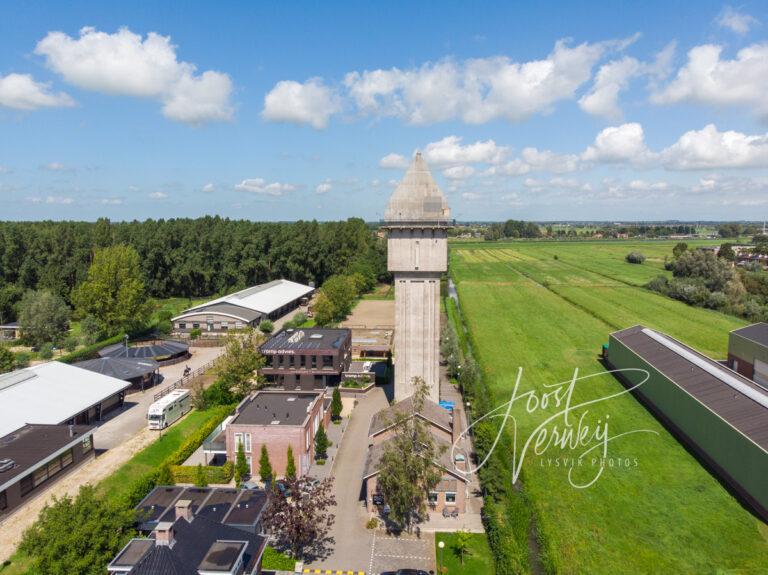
(307, 358)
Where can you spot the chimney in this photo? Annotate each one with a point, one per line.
(164, 534)
(184, 510)
(71, 431)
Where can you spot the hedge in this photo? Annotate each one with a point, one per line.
(274, 560)
(213, 473)
(90, 351)
(145, 483)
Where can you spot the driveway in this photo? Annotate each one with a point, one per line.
(121, 425)
(353, 542)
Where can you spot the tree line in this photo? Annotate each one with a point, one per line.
(184, 257)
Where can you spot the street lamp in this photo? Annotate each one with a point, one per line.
(441, 545)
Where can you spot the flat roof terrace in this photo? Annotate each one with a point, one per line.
(276, 408)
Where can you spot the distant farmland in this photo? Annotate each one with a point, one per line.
(525, 307)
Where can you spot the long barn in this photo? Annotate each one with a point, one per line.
(719, 414)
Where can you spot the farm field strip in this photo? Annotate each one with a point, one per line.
(635, 520)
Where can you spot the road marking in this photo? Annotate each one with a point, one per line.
(332, 572)
(373, 548)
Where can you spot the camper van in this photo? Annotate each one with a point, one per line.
(169, 408)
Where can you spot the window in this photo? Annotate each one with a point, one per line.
(182, 325)
(302, 361)
(87, 444)
(225, 325)
(40, 475)
(432, 497)
(238, 441)
(309, 440)
(327, 361)
(3, 500)
(248, 460)
(239, 325)
(247, 447)
(195, 325)
(450, 497)
(26, 485)
(314, 362)
(317, 422)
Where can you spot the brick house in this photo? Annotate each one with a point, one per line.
(452, 490)
(278, 419)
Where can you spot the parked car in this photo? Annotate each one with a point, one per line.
(408, 572)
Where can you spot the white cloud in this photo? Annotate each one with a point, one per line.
(643, 185)
(323, 187)
(21, 92)
(625, 143)
(55, 167)
(708, 79)
(545, 160)
(209, 188)
(61, 200)
(111, 201)
(310, 103)
(471, 196)
(612, 77)
(5, 170)
(126, 64)
(158, 195)
(735, 21)
(476, 90)
(261, 186)
(458, 172)
(450, 152)
(709, 148)
(394, 161)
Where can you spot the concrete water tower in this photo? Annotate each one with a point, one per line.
(417, 221)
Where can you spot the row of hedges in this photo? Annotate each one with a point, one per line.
(91, 351)
(507, 512)
(144, 484)
(213, 473)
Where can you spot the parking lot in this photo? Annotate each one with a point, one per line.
(390, 553)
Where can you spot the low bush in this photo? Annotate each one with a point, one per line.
(213, 473)
(273, 560)
(635, 257)
(46, 351)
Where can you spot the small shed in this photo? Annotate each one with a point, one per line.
(10, 331)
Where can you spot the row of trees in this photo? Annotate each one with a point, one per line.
(704, 279)
(513, 229)
(185, 257)
(336, 298)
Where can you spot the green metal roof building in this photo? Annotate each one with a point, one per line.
(748, 352)
(719, 414)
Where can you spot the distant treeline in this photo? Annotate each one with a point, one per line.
(513, 229)
(187, 257)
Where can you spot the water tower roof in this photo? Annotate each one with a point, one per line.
(417, 197)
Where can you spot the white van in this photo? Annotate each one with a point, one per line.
(168, 409)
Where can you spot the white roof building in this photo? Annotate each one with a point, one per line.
(253, 302)
(51, 393)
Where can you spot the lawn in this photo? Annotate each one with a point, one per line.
(477, 560)
(662, 513)
(153, 455)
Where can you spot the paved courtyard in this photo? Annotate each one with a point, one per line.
(390, 553)
(121, 425)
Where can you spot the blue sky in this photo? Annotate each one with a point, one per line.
(280, 111)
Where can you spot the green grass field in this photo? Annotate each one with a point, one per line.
(477, 560)
(152, 456)
(666, 514)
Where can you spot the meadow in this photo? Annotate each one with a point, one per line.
(548, 307)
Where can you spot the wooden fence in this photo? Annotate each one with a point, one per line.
(185, 379)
